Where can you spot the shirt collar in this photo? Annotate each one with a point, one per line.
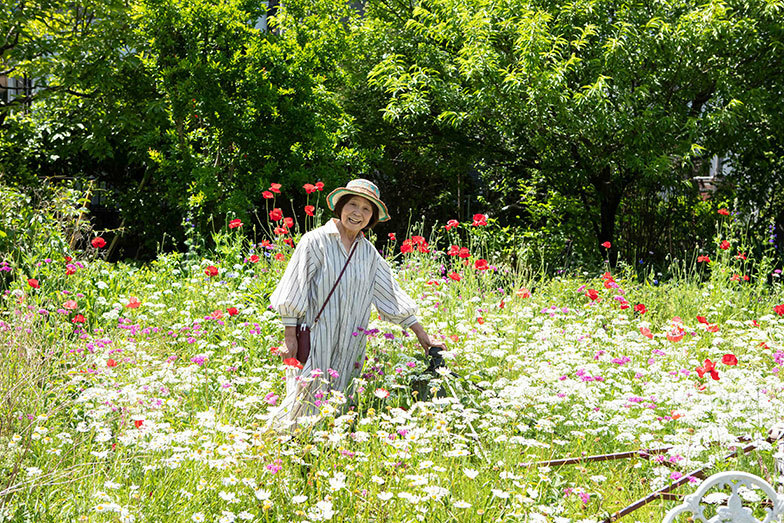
(332, 228)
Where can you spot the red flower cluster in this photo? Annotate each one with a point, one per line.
(451, 224)
(32, 282)
(724, 245)
(779, 309)
(592, 294)
(292, 362)
(211, 271)
(481, 264)
(703, 259)
(309, 210)
(640, 307)
(310, 188)
(479, 220)
(606, 245)
(417, 242)
(276, 215)
(461, 252)
(235, 223)
(98, 242)
(708, 368)
(723, 212)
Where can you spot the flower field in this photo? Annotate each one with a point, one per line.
(141, 393)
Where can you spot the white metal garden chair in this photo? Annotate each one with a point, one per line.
(733, 511)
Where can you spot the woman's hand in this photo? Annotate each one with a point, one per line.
(290, 343)
(424, 338)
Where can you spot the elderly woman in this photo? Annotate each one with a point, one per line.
(337, 339)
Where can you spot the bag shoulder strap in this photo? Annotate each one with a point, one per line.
(353, 248)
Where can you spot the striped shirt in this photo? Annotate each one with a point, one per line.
(337, 340)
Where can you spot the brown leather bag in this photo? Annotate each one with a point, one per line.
(303, 330)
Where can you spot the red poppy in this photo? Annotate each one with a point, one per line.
(275, 187)
(645, 331)
(68, 258)
(138, 423)
(481, 264)
(454, 276)
(729, 359)
(522, 292)
(606, 245)
(740, 256)
(424, 247)
(735, 277)
(253, 258)
(78, 319)
(289, 242)
(211, 271)
(591, 293)
(98, 242)
(392, 237)
(292, 362)
(309, 210)
(640, 307)
(779, 309)
(702, 319)
(280, 256)
(111, 363)
(280, 230)
(267, 195)
(450, 224)
(701, 259)
(464, 253)
(501, 305)
(708, 368)
(675, 335)
(480, 320)
(745, 277)
(276, 215)
(288, 222)
(309, 188)
(32, 282)
(232, 311)
(320, 186)
(407, 247)
(454, 250)
(69, 270)
(217, 314)
(714, 327)
(419, 240)
(235, 223)
(133, 303)
(433, 282)
(724, 245)
(480, 220)
(723, 212)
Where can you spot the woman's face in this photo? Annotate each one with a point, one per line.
(356, 214)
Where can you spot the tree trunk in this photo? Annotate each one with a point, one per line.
(610, 194)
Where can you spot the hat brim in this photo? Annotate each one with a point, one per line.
(337, 194)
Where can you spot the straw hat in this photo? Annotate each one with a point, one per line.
(360, 187)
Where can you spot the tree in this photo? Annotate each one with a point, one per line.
(595, 97)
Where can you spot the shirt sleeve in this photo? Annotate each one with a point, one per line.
(392, 302)
(290, 297)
